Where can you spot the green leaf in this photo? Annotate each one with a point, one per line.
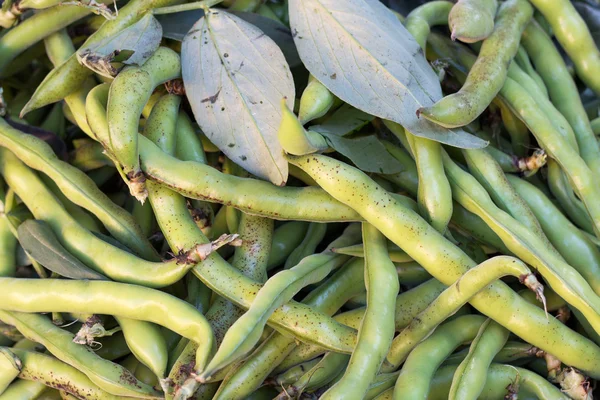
(362, 53)
(132, 45)
(39, 241)
(344, 121)
(366, 152)
(235, 77)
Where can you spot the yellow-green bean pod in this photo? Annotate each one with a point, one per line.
(471, 20)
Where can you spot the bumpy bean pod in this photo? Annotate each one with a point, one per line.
(471, 21)
(100, 297)
(377, 328)
(489, 72)
(108, 376)
(470, 376)
(56, 374)
(413, 234)
(70, 75)
(79, 188)
(573, 34)
(129, 93)
(36, 28)
(457, 295)
(96, 253)
(418, 370)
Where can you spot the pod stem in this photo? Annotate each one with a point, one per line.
(200, 252)
(531, 282)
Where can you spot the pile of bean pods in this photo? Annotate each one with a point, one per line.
(138, 261)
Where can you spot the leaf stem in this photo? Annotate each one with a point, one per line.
(186, 7)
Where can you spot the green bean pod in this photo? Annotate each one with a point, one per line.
(79, 188)
(108, 376)
(420, 366)
(408, 305)
(328, 298)
(561, 277)
(314, 235)
(22, 389)
(293, 374)
(325, 372)
(10, 367)
(36, 28)
(294, 138)
(414, 235)
(510, 353)
(146, 343)
(453, 298)
(519, 134)
(70, 75)
(315, 102)
(563, 193)
(248, 195)
(101, 297)
(489, 72)
(500, 378)
(377, 328)
(490, 175)
(129, 93)
(572, 244)
(279, 289)
(56, 374)
(523, 60)
(8, 247)
(471, 21)
(94, 252)
(470, 376)
(574, 36)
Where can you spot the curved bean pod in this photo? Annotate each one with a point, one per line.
(36, 28)
(377, 328)
(10, 367)
(471, 21)
(314, 235)
(70, 75)
(420, 366)
(413, 235)
(78, 188)
(315, 102)
(470, 376)
(453, 298)
(108, 376)
(561, 277)
(96, 253)
(489, 72)
(101, 297)
(573, 34)
(328, 298)
(279, 289)
(129, 93)
(55, 374)
(572, 244)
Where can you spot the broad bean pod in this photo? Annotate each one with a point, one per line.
(561, 277)
(314, 235)
(101, 297)
(10, 367)
(54, 373)
(128, 94)
(108, 376)
(453, 298)
(78, 188)
(489, 72)
(511, 352)
(574, 36)
(36, 28)
(523, 60)
(70, 75)
(22, 389)
(413, 235)
(328, 298)
(471, 21)
(315, 102)
(107, 259)
(377, 328)
(279, 289)
(470, 376)
(420, 366)
(572, 244)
